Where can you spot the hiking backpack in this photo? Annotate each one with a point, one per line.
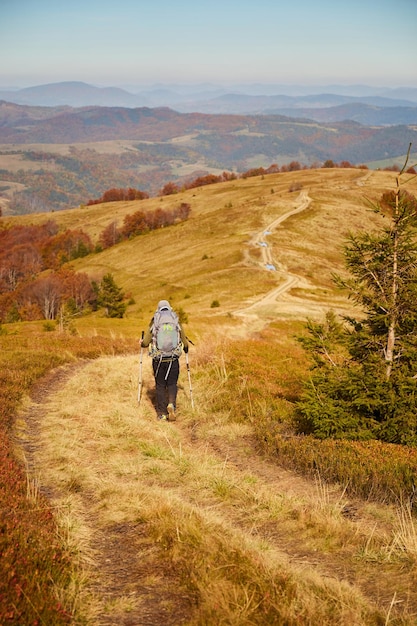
(166, 337)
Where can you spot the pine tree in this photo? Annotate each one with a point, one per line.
(110, 296)
(364, 374)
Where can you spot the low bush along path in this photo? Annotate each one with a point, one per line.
(126, 488)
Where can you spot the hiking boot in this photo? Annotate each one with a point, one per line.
(171, 412)
(162, 418)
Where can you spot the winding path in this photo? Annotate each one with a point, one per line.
(268, 261)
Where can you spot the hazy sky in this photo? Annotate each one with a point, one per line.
(133, 42)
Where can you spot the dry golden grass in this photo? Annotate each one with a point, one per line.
(239, 534)
(249, 542)
(212, 255)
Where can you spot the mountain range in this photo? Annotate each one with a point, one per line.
(221, 141)
(59, 156)
(363, 104)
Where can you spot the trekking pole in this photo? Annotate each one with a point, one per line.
(140, 370)
(189, 380)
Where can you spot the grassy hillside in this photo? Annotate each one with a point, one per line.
(202, 522)
(212, 256)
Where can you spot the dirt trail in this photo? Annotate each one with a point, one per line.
(120, 557)
(288, 280)
(130, 589)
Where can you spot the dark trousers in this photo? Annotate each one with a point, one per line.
(166, 377)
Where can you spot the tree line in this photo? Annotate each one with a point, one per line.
(37, 280)
(171, 187)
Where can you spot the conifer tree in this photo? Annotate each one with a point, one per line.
(110, 296)
(364, 374)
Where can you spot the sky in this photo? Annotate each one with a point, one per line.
(146, 42)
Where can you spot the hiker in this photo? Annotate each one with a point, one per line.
(166, 339)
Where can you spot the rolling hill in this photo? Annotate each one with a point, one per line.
(212, 255)
(64, 156)
(201, 521)
(236, 99)
(234, 136)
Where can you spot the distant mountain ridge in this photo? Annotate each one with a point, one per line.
(364, 114)
(220, 141)
(72, 93)
(59, 157)
(226, 141)
(212, 99)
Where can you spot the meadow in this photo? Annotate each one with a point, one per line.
(225, 517)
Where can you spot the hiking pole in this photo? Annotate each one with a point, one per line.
(140, 370)
(189, 380)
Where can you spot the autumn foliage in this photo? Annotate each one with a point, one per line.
(141, 222)
(36, 279)
(33, 283)
(116, 195)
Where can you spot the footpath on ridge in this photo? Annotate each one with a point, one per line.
(280, 301)
(268, 261)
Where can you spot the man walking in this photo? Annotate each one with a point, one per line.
(166, 339)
